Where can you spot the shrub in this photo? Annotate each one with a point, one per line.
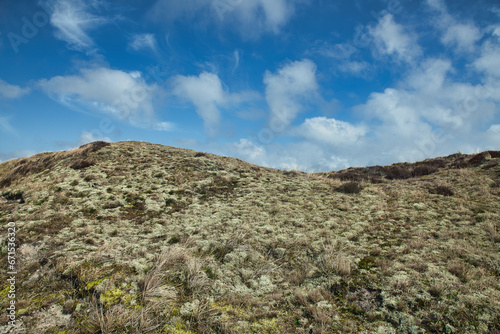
(81, 164)
(490, 165)
(442, 190)
(436, 163)
(93, 147)
(397, 173)
(423, 170)
(200, 154)
(14, 196)
(347, 176)
(349, 188)
(477, 159)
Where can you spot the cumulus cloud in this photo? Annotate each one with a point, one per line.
(330, 131)
(73, 20)
(206, 93)
(250, 17)
(8, 91)
(123, 95)
(276, 14)
(390, 38)
(89, 137)
(461, 35)
(288, 88)
(489, 62)
(306, 156)
(428, 113)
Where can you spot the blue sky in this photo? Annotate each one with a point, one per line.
(314, 85)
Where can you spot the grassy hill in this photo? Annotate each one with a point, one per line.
(134, 237)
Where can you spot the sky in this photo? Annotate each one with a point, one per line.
(312, 85)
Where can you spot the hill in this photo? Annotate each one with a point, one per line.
(134, 237)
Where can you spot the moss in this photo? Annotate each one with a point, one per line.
(178, 328)
(267, 326)
(115, 296)
(90, 285)
(4, 292)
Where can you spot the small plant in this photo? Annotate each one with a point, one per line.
(349, 188)
(14, 196)
(174, 240)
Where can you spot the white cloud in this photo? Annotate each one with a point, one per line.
(250, 151)
(336, 51)
(391, 39)
(462, 35)
(429, 114)
(5, 125)
(305, 156)
(123, 95)
(250, 17)
(276, 14)
(208, 96)
(206, 93)
(143, 41)
(358, 68)
(495, 128)
(9, 91)
(89, 137)
(73, 20)
(496, 10)
(288, 88)
(489, 60)
(330, 131)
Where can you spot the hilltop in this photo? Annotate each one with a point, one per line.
(143, 238)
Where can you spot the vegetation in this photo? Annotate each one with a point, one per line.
(134, 237)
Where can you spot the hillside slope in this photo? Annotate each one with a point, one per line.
(143, 238)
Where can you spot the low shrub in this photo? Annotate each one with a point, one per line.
(82, 164)
(442, 190)
(347, 176)
(14, 196)
(349, 188)
(397, 173)
(423, 170)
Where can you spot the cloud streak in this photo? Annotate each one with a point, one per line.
(8, 91)
(73, 20)
(251, 18)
